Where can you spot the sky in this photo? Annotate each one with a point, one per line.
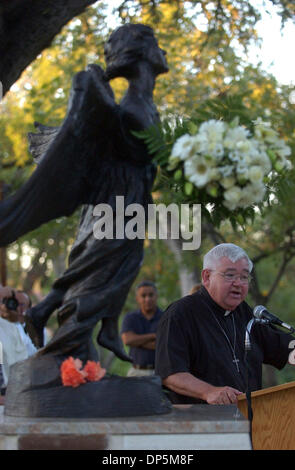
(277, 49)
(276, 52)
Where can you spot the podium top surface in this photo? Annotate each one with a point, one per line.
(265, 391)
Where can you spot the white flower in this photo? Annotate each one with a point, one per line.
(200, 144)
(281, 149)
(255, 174)
(236, 156)
(263, 131)
(210, 138)
(215, 174)
(244, 146)
(232, 197)
(283, 163)
(236, 138)
(251, 194)
(249, 159)
(218, 151)
(288, 165)
(242, 169)
(228, 182)
(227, 159)
(213, 130)
(197, 171)
(257, 191)
(262, 159)
(182, 147)
(214, 150)
(246, 197)
(226, 170)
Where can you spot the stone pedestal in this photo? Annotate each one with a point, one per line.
(186, 427)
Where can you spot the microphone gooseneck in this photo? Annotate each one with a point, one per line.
(260, 312)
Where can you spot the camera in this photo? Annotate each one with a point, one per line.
(11, 303)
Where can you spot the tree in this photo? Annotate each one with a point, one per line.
(36, 23)
(203, 64)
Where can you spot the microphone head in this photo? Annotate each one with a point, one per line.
(258, 311)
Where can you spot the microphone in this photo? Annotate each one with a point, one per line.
(261, 312)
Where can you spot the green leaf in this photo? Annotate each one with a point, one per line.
(192, 128)
(178, 175)
(188, 188)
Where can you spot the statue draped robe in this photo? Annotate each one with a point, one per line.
(92, 158)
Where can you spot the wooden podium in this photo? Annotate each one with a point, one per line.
(273, 417)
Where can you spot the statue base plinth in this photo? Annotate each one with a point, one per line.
(111, 397)
(187, 427)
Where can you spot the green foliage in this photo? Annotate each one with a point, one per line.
(160, 139)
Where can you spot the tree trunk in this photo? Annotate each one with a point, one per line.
(28, 27)
(187, 277)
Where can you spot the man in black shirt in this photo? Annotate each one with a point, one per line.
(200, 339)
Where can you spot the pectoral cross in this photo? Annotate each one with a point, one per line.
(236, 361)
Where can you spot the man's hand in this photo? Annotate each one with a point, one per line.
(9, 315)
(189, 385)
(222, 396)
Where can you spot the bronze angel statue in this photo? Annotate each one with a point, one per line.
(90, 159)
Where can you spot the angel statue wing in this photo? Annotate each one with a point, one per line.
(40, 142)
(65, 157)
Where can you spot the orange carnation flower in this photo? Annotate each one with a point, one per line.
(71, 373)
(94, 371)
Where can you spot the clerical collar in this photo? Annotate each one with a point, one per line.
(214, 305)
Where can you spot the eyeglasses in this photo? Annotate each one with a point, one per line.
(230, 277)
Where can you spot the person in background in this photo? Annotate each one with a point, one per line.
(14, 348)
(24, 303)
(16, 314)
(139, 330)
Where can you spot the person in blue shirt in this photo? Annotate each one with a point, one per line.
(139, 330)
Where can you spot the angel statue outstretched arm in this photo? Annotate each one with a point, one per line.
(91, 159)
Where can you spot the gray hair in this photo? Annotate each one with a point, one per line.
(227, 250)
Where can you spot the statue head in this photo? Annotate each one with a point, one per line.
(127, 46)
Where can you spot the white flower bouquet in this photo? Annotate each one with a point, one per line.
(222, 158)
(228, 163)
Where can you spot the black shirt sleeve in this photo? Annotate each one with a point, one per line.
(275, 345)
(172, 352)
